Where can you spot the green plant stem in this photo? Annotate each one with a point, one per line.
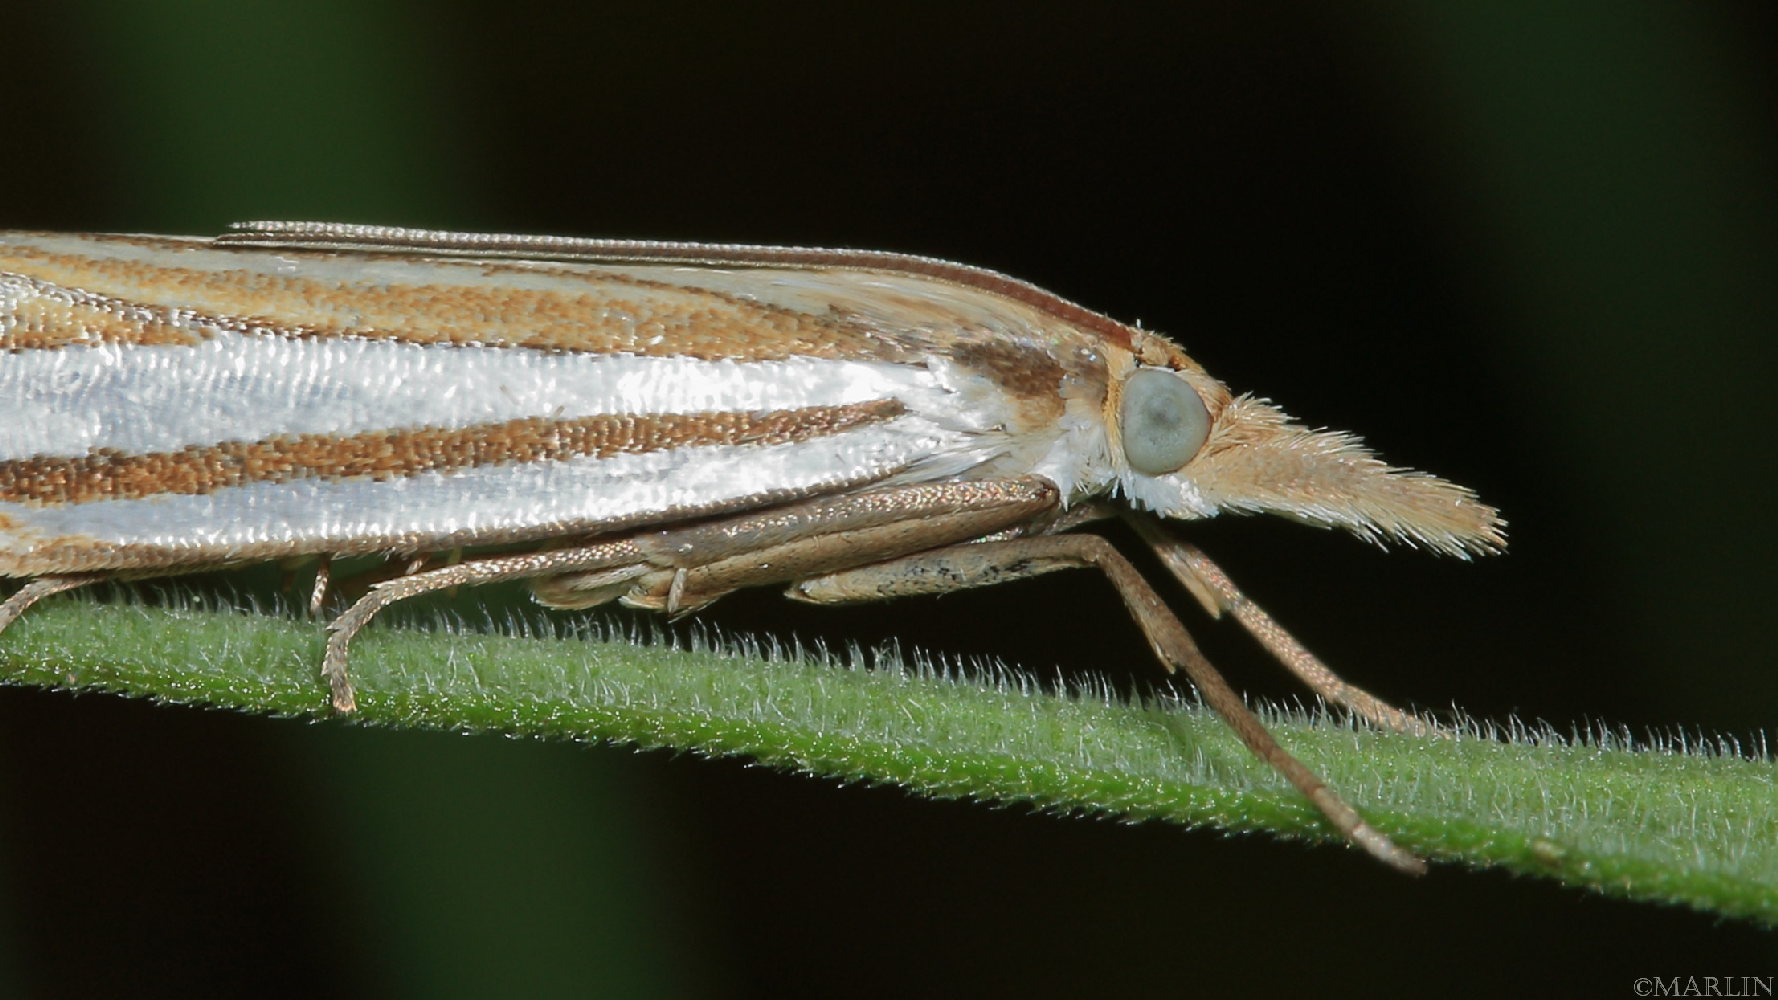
(1694, 824)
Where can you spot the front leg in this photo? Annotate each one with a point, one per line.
(961, 567)
(1219, 594)
(968, 566)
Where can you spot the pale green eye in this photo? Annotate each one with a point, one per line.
(1163, 421)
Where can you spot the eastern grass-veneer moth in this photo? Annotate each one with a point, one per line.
(667, 422)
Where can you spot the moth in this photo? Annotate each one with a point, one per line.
(654, 423)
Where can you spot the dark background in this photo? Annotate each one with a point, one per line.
(1530, 252)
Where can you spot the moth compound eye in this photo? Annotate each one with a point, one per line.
(1163, 422)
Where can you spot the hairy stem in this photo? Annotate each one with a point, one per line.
(1694, 824)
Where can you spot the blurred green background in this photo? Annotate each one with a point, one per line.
(1529, 247)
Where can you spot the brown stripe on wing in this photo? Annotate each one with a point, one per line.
(39, 315)
(107, 474)
(137, 301)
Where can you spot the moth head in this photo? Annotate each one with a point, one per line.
(1185, 447)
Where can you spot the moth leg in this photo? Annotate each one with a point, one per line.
(1218, 594)
(43, 586)
(318, 593)
(619, 560)
(698, 564)
(974, 565)
(680, 569)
